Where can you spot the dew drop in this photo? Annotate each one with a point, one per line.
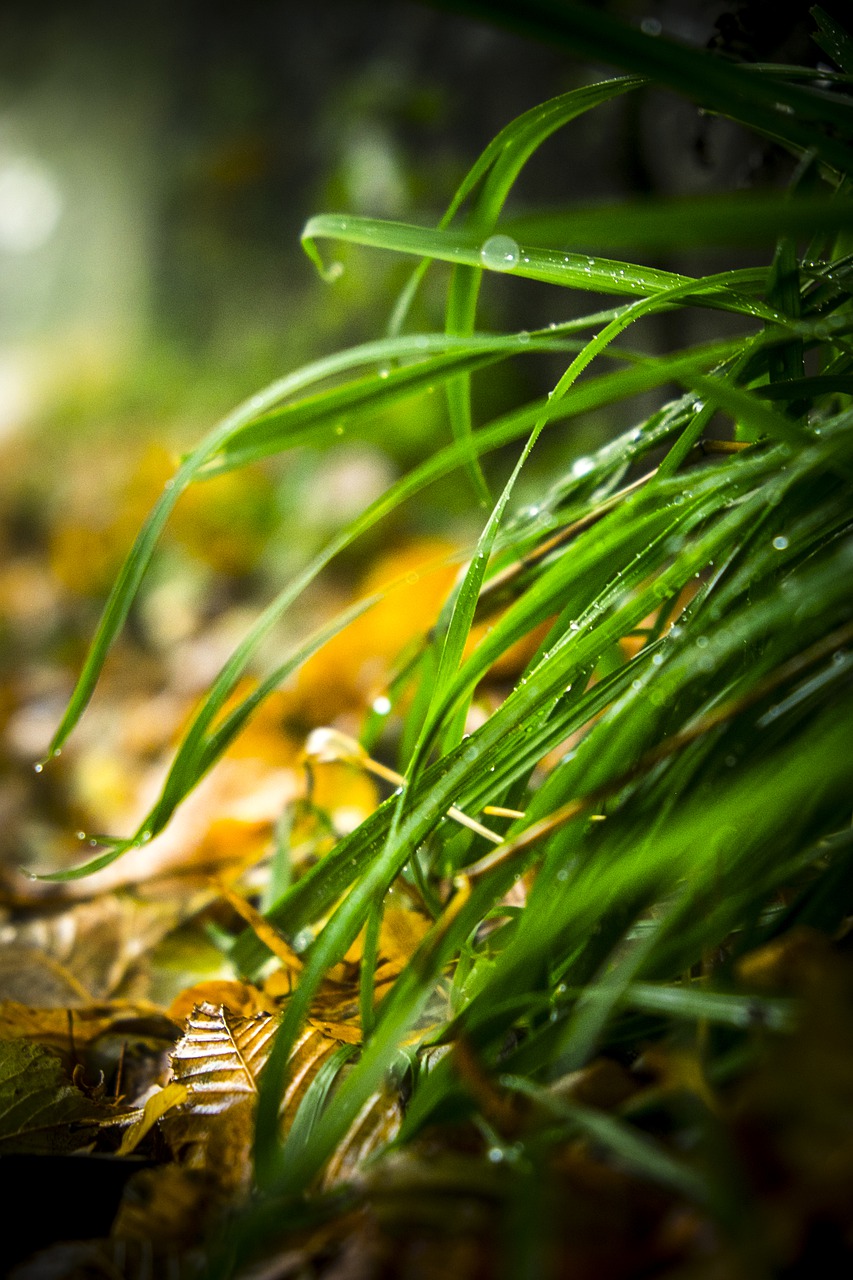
(81, 835)
(523, 336)
(582, 467)
(701, 642)
(145, 837)
(38, 768)
(500, 253)
(780, 543)
(651, 26)
(170, 484)
(382, 705)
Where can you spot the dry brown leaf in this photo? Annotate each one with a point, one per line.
(95, 944)
(237, 997)
(169, 1207)
(219, 1061)
(377, 1124)
(221, 1056)
(30, 976)
(53, 1028)
(123, 1259)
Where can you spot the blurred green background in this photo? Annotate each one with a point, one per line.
(158, 161)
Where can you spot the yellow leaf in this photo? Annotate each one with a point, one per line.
(239, 997)
(345, 1032)
(401, 934)
(354, 667)
(172, 1095)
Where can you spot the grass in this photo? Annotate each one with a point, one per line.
(695, 802)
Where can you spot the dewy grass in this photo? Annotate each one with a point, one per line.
(717, 756)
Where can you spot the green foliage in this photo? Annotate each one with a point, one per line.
(40, 1109)
(715, 754)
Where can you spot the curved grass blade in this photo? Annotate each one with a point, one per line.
(134, 568)
(578, 271)
(520, 141)
(536, 122)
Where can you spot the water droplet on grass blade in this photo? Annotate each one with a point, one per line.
(582, 467)
(780, 543)
(500, 253)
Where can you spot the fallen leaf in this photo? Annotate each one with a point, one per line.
(160, 1102)
(377, 1124)
(237, 997)
(167, 1209)
(354, 666)
(40, 1110)
(91, 946)
(30, 976)
(53, 1028)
